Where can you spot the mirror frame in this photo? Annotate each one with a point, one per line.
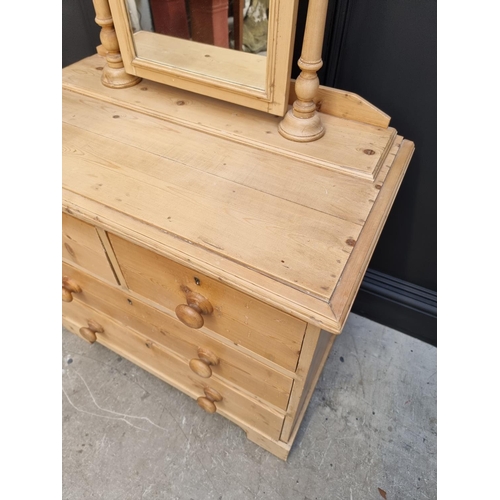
(273, 98)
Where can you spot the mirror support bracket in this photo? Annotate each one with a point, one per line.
(113, 74)
(302, 123)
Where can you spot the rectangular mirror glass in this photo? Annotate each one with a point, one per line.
(235, 50)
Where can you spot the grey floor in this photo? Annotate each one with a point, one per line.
(369, 432)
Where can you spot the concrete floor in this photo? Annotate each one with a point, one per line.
(369, 432)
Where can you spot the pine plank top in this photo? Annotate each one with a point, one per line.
(355, 148)
(287, 231)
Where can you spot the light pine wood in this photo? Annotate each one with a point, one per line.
(342, 196)
(164, 364)
(248, 281)
(66, 295)
(303, 389)
(309, 347)
(246, 321)
(212, 394)
(240, 368)
(113, 74)
(277, 448)
(189, 316)
(303, 123)
(342, 150)
(244, 279)
(201, 365)
(87, 334)
(206, 405)
(201, 368)
(197, 301)
(208, 402)
(191, 313)
(69, 287)
(205, 207)
(343, 298)
(262, 232)
(344, 104)
(110, 254)
(263, 83)
(81, 245)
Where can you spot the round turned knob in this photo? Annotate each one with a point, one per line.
(95, 326)
(191, 314)
(208, 402)
(212, 394)
(201, 364)
(89, 334)
(66, 295)
(200, 303)
(69, 287)
(207, 405)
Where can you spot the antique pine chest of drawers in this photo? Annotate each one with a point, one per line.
(204, 247)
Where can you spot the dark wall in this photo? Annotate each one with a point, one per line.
(385, 51)
(388, 55)
(80, 33)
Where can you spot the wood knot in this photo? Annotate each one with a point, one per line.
(351, 242)
(368, 152)
(144, 89)
(70, 250)
(180, 103)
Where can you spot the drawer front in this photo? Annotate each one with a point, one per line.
(243, 410)
(233, 366)
(82, 246)
(242, 319)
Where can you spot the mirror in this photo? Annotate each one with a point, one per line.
(235, 50)
(234, 24)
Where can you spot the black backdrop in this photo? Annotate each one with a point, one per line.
(385, 51)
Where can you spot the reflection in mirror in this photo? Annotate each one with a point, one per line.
(238, 51)
(235, 24)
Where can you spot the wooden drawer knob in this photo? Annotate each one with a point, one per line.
(89, 333)
(201, 364)
(189, 316)
(66, 295)
(191, 313)
(208, 402)
(69, 287)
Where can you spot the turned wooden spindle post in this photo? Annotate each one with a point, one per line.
(302, 123)
(113, 74)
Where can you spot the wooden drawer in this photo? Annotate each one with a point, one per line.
(242, 319)
(82, 246)
(245, 411)
(234, 366)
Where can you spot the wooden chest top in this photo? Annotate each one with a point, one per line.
(215, 187)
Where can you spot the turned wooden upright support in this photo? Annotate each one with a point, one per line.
(113, 74)
(302, 123)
